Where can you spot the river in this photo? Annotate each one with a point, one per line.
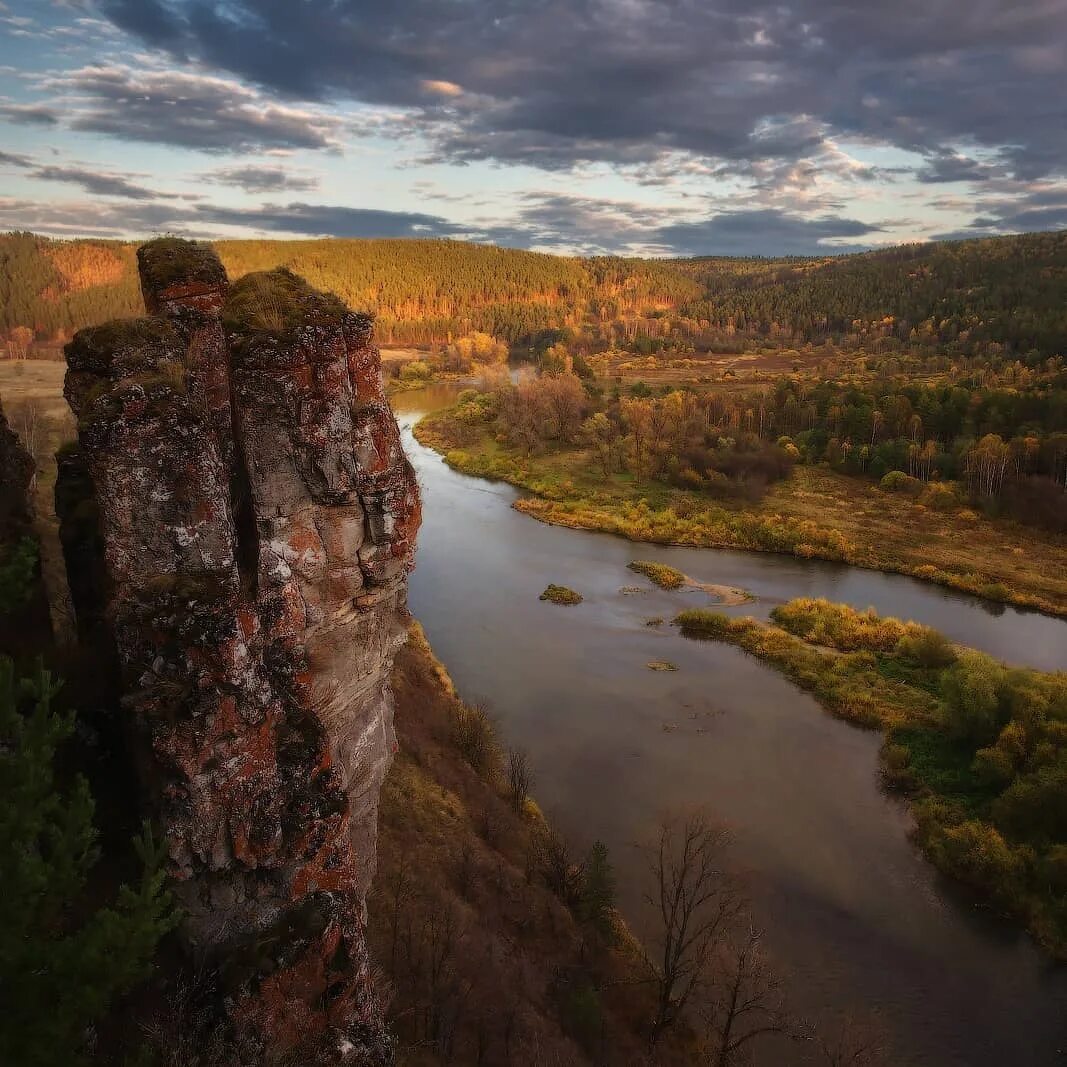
(858, 922)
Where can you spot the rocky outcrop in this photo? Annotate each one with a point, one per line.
(256, 519)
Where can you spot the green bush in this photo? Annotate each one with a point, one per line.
(664, 576)
(899, 482)
(18, 569)
(971, 691)
(598, 891)
(1034, 806)
(926, 647)
(416, 371)
(977, 854)
(699, 622)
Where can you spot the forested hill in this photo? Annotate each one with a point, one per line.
(968, 296)
(420, 290)
(1006, 290)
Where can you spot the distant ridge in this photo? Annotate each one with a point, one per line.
(1006, 291)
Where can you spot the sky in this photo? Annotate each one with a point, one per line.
(636, 127)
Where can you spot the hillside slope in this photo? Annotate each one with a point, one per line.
(968, 296)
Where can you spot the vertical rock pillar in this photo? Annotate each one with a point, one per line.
(257, 518)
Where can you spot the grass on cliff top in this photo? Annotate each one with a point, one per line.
(168, 260)
(560, 594)
(980, 748)
(96, 346)
(278, 302)
(665, 577)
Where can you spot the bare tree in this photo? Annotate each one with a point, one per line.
(520, 778)
(693, 900)
(562, 875)
(852, 1044)
(400, 889)
(747, 1003)
(29, 425)
(18, 342)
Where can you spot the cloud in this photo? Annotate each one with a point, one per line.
(544, 220)
(29, 114)
(91, 218)
(318, 220)
(559, 82)
(1037, 206)
(188, 110)
(953, 167)
(98, 182)
(555, 221)
(766, 232)
(262, 179)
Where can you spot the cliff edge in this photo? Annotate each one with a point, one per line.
(253, 521)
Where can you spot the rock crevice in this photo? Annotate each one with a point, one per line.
(257, 519)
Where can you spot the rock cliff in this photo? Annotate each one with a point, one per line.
(239, 515)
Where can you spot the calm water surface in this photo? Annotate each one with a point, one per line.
(854, 916)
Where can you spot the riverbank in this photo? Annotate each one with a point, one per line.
(815, 514)
(518, 978)
(976, 747)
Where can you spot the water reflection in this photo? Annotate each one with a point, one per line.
(853, 914)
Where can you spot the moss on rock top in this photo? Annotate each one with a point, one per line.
(168, 261)
(98, 348)
(278, 302)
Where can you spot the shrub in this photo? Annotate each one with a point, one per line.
(1034, 806)
(18, 570)
(560, 594)
(971, 690)
(899, 482)
(939, 496)
(665, 577)
(416, 371)
(699, 622)
(840, 626)
(474, 735)
(598, 891)
(520, 777)
(993, 766)
(926, 647)
(977, 854)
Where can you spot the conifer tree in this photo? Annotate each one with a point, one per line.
(60, 968)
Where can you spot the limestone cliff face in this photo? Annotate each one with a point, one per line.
(257, 519)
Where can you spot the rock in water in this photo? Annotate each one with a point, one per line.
(257, 518)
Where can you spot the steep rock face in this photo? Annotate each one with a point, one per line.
(256, 517)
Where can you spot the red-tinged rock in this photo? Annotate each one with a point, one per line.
(257, 519)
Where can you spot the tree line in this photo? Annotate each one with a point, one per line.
(967, 299)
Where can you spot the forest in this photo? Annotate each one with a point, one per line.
(986, 298)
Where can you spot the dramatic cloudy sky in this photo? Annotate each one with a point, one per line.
(641, 126)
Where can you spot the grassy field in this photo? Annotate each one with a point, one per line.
(977, 747)
(817, 513)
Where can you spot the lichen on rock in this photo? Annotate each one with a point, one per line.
(256, 519)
